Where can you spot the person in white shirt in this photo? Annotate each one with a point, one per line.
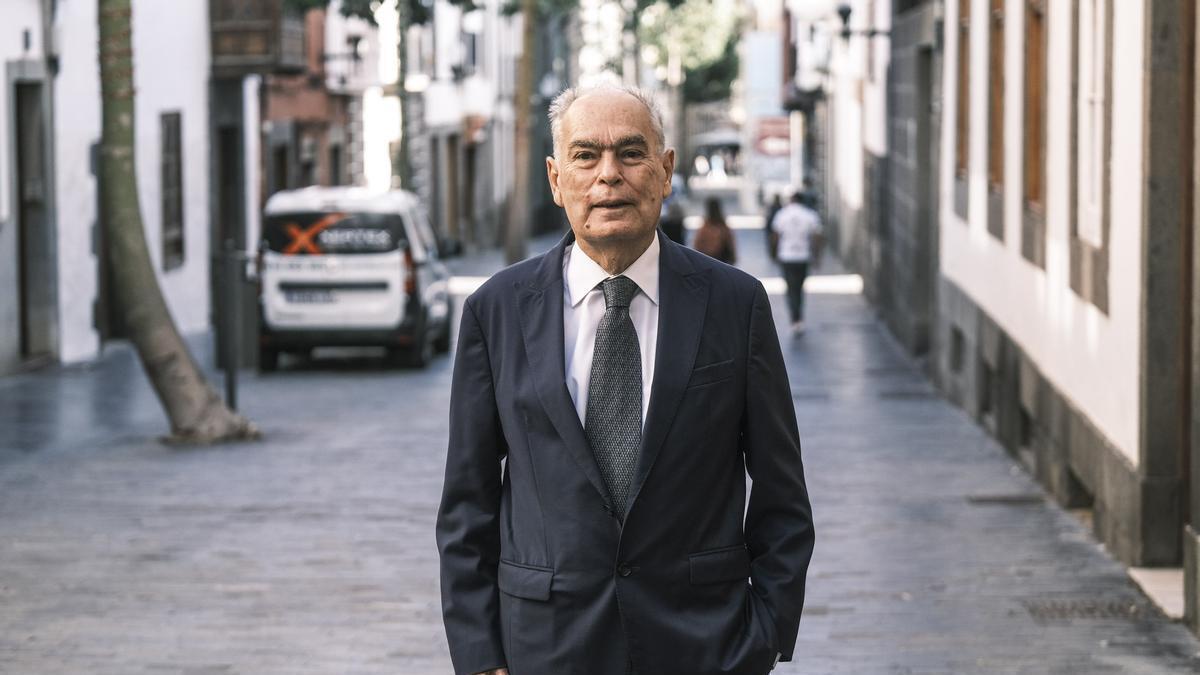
(798, 229)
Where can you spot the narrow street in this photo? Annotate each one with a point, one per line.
(313, 551)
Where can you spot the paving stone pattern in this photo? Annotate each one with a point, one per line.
(313, 551)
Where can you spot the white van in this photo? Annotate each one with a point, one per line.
(354, 267)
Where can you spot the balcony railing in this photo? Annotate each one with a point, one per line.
(255, 37)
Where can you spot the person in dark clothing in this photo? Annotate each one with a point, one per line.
(610, 399)
(769, 225)
(672, 223)
(714, 238)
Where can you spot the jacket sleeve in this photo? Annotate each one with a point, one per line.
(779, 527)
(468, 523)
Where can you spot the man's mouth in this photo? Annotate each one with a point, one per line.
(613, 204)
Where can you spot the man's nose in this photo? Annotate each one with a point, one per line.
(609, 171)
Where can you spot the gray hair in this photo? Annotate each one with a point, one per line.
(562, 102)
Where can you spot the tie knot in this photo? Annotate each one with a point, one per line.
(618, 291)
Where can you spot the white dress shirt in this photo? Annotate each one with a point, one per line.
(583, 307)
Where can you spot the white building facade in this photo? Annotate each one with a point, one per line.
(54, 299)
(1066, 253)
(1014, 180)
(460, 83)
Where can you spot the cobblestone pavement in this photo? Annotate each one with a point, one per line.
(312, 551)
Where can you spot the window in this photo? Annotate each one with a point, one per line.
(1090, 134)
(1035, 103)
(335, 164)
(1093, 140)
(470, 61)
(1033, 225)
(172, 190)
(996, 95)
(280, 167)
(964, 95)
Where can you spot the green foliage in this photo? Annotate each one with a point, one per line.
(545, 7)
(713, 81)
(419, 11)
(645, 4)
(363, 9)
(703, 35)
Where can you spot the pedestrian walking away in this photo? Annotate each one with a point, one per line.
(798, 230)
(769, 226)
(609, 400)
(672, 222)
(714, 238)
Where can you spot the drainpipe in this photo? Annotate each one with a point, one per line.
(50, 61)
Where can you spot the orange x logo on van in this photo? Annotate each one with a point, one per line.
(304, 239)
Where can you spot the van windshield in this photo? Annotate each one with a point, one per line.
(319, 233)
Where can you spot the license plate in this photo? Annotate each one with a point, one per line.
(309, 297)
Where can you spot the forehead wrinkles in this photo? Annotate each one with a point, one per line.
(609, 142)
(592, 117)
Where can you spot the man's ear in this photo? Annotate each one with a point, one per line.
(552, 176)
(668, 162)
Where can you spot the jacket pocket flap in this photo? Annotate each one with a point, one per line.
(524, 581)
(713, 372)
(723, 564)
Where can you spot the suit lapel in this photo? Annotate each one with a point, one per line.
(683, 301)
(541, 315)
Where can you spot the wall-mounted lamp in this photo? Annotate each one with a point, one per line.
(353, 52)
(843, 11)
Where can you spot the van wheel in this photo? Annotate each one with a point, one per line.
(420, 354)
(268, 359)
(442, 342)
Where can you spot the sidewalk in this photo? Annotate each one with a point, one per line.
(935, 552)
(312, 551)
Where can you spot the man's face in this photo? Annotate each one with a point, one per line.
(611, 177)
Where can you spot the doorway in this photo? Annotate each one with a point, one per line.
(1189, 463)
(926, 273)
(35, 240)
(452, 198)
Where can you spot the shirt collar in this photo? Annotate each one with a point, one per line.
(582, 274)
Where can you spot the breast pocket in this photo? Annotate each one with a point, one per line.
(711, 373)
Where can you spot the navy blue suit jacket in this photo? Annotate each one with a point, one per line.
(539, 572)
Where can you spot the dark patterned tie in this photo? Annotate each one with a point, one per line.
(614, 406)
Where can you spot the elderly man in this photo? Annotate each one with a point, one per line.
(609, 399)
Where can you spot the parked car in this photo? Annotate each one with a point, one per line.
(351, 267)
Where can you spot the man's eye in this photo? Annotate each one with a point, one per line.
(634, 154)
(583, 156)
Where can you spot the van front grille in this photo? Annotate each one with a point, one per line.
(307, 286)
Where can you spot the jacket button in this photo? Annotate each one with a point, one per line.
(624, 570)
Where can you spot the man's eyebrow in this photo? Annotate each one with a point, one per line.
(623, 142)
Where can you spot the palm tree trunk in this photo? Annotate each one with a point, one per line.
(518, 214)
(194, 409)
(403, 166)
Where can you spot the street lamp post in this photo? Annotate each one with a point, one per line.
(844, 11)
